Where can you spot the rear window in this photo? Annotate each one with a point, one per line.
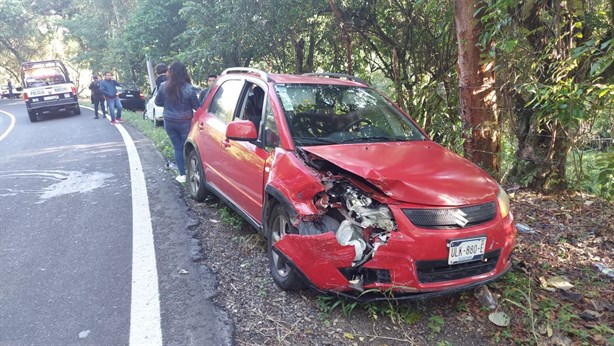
(35, 77)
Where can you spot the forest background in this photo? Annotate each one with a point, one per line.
(523, 88)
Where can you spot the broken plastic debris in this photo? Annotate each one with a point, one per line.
(84, 334)
(499, 318)
(485, 297)
(183, 271)
(609, 272)
(522, 228)
(559, 282)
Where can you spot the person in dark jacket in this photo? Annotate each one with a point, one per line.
(178, 97)
(161, 72)
(97, 97)
(10, 86)
(108, 87)
(203, 94)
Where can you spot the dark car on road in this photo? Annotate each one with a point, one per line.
(131, 97)
(352, 196)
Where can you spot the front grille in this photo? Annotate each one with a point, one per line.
(439, 270)
(448, 218)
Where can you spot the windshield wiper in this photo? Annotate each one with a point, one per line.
(374, 139)
(313, 140)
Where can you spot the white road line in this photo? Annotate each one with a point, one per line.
(145, 307)
(11, 125)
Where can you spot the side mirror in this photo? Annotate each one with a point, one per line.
(241, 130)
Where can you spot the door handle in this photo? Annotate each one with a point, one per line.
(201, 126)
(226, 143)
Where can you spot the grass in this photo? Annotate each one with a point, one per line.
(156, 133)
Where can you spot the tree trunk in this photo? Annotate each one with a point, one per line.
(299, 55)
(346, 36)
(477, 92)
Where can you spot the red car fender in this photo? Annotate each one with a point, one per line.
(298, 183)
(317, 257)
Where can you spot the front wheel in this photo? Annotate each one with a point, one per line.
(278, 225)
(196, 177)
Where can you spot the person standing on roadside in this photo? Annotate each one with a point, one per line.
(10, 86)
(108, 87)
(203, 94)
(178, 97)
(161, 72)
(97, 97)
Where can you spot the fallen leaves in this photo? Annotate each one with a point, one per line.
(564, 249)
(500, 319)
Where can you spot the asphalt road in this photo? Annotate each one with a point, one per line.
(96, 243)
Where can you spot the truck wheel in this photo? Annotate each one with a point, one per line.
(76, 111)
(33, 117)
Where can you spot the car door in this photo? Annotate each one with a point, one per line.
(211, 127)
(243, 162)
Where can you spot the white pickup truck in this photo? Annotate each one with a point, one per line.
(48, 89)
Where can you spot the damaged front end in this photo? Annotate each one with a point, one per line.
(357, 243)
(351, 224)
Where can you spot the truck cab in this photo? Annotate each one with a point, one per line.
(47, 88)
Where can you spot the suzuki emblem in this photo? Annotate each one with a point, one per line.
(459, 218)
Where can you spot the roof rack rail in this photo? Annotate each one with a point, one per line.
(337, 75)
(260, 73)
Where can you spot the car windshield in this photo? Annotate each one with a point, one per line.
(321, 114)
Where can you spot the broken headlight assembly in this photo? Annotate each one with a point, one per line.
(363, 222)
(504, 202)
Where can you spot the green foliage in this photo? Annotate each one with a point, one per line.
(436, 324)
(555, 69)
(230, 218)
(156, 134)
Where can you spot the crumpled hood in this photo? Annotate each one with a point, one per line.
(414, 172)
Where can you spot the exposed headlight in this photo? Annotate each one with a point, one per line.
(504, 202)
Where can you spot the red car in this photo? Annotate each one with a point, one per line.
(353, 197)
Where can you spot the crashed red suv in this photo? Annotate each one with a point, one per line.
(353, 197)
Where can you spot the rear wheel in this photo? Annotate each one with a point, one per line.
(278, 225)
(76, 110)
(32, 115)
(196, 177)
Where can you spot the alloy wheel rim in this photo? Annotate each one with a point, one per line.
(280, 225)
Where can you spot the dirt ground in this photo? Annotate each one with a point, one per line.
(567, 236)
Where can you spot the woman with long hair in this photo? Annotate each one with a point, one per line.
(178, 97)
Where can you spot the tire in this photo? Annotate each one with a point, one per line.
(145, 114)
(76, 111)
(196, 177)
(33, 117)
(278, 225)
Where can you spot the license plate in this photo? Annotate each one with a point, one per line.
(466, 250)
(128, 95)
(52, 97)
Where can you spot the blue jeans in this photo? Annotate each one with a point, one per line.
(112, 103)
(178, 133)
